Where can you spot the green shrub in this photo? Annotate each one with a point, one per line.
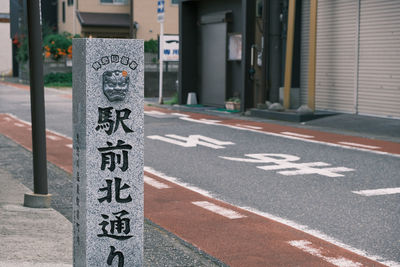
(58, 79)
(151, 46)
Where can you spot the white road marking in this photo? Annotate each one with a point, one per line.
(47, 130)
(54, 138)
(69, 145)
(179, 114)
(285, 162)
(154, 183)
(359, 145)
(378, 192)
(217, 123)
(154, 112)
(204, 121)
(191, 141)
(269, 216)
(7, 119)
(297, 135)
(305, 246)
(230, 214)
(249, 126)
(19, 124)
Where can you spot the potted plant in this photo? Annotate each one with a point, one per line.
(233, 103)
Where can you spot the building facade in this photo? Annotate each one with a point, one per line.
(357, 53)
(113, 18)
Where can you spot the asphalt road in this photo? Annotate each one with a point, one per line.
(322, 201)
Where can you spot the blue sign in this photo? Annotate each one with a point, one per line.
(160, 6)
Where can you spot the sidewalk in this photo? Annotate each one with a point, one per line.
(43, 237)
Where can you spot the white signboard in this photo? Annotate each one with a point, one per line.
(170, 51)
(235, 47)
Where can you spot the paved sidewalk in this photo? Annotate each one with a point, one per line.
(43, 237)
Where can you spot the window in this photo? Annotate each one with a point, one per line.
(114, 2)
(174, 2)
(63, 12)
(70, 2)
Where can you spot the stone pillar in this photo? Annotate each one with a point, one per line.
(108, 152)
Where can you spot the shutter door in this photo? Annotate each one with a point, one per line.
(336, 55)
(379, 58)
(305, 29)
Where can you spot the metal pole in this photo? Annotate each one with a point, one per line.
(289, 53)
(132, 25)
(160, 100)
(37, 98)
(312, 54)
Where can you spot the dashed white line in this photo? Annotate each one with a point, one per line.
(179, 114)
(204, 121)
(297, 135)
(305, 246)
(54, 138)
(19, 124)
(155, 183)
(249, 126)
(69, 145)
(378, 192)
(359, 145)
(230, 214)
(154, 112)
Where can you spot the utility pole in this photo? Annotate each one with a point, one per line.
(40, 197)
(160, 18)
(132, 25)
(289, 53)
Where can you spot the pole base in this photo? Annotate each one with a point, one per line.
(37, 200)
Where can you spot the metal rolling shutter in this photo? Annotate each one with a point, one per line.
(336, 55)
(305, 29)
(379, 58)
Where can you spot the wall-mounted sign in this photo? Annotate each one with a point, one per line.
(170, 51)
(235, 46)
(160, 11)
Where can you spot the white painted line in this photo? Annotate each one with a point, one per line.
(249, 126)
(28, 123)
(7, 119)
(378, 192)
(359, 145)
(217, 123)
(19, 124)
(154, 112)
(204, 121)
(155, 183)
(179, 114)
(281, 220)
(297, 135)
(305, 246)
(230, 214)
(54, 138)
(191, 141)
(69, 145)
